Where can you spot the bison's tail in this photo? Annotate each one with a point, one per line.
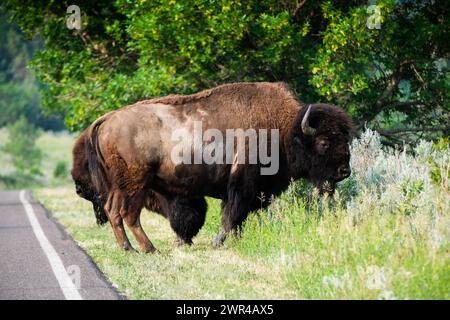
(97, 171)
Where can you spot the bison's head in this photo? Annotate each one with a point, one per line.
(322, 138)
(83, 183)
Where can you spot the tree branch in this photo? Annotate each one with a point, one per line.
(298, 5)
(389, 133)
(391, 86)
(382, 102)
(403, 104)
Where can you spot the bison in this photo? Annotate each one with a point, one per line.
(124, 160)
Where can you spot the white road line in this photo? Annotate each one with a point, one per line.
(65, 282)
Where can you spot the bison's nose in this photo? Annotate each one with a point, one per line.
(344, 172)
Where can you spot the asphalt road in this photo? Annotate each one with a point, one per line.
(39, 260)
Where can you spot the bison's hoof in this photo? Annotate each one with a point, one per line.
(219, 240)
(217, 243)
(151, 250)
(183, 242)
(128, 247)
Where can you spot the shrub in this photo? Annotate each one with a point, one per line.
(61, 170)
(21, 147)
(383, 235)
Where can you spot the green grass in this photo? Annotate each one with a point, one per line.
(56, 147)
(6, 165)
(384, 235)
(197, 272)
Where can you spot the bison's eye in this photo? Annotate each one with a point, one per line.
(322, 146)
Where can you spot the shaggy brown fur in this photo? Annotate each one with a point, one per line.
(122, 162)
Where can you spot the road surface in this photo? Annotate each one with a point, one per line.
(39, 260)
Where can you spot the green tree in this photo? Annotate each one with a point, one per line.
(21, 146)
(394, 78)
(19, 89)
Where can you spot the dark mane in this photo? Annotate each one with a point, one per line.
(328, 119)
(179, 99)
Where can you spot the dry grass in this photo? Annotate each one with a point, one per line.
(197, 272)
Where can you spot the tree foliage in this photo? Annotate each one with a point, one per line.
(19, 88)
(395, 78)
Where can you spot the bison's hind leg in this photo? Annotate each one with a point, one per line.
(112, 208)
(126, 204)
(131, 213)
(186, 217)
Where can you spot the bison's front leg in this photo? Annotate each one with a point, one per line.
(220, 238)
(241, 199)
(233, 215)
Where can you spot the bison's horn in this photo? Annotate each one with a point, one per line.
(307, 130)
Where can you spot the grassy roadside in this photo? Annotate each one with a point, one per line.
(197, 272)
(385, 235)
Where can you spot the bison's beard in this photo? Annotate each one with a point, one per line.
(326, 187)
(87, 193)
(100, 214)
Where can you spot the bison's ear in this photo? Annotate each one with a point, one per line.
(322, 145)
